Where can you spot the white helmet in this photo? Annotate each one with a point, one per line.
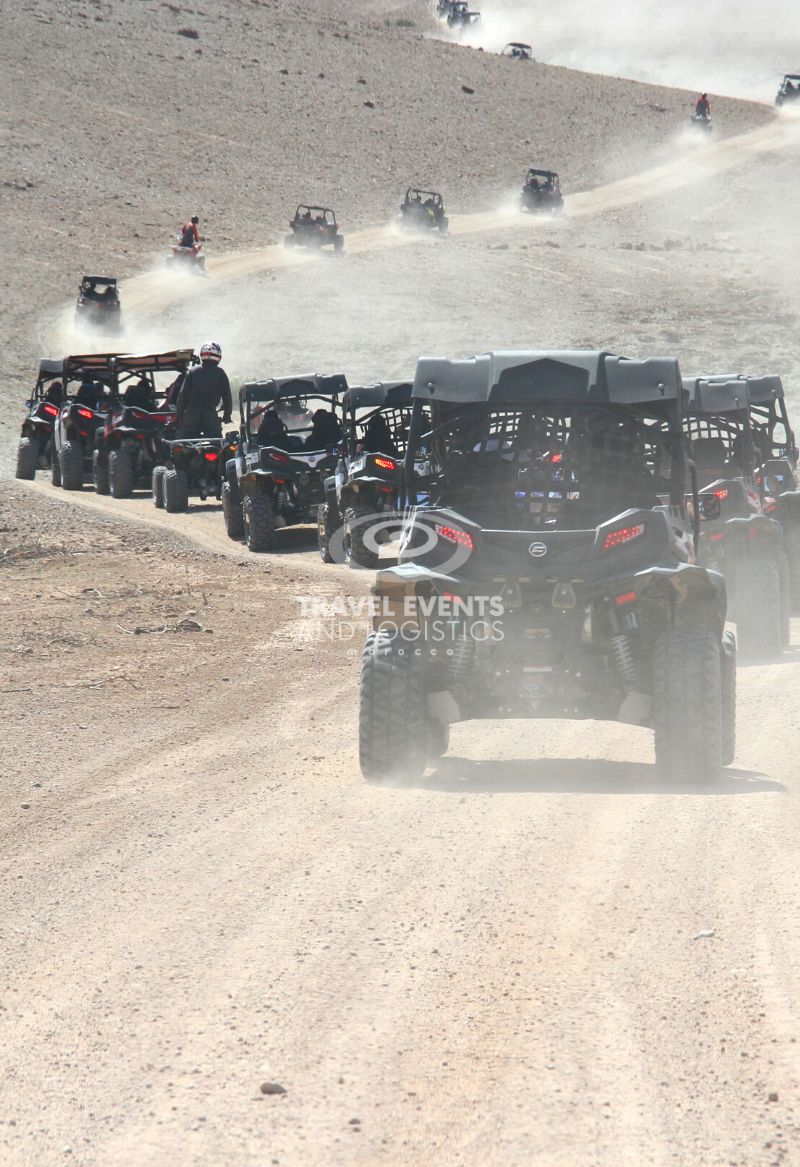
(211, 352)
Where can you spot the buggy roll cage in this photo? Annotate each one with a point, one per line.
(765, 409)
(324, 211)
(125, 368)
(520, 46)
(533, 172)
(96, 365)
(708, 402)
(458, 390)
(376, 399)
(324, 387)
(414, 192)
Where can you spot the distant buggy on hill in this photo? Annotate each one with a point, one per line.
(314, 227)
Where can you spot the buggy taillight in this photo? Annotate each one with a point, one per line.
(452, 535)
(51, 409)
(622, 535)
(211, 456)
(85, 413)
(721, 493)
(279, 458)
(386, 463)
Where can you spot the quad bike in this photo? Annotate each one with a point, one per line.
(187, 259)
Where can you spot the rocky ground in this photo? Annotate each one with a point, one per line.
(538, 954)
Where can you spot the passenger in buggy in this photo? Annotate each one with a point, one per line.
(325, 431)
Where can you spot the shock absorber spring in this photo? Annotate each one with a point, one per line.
(460, 662)
(624, 662)
(280, 502)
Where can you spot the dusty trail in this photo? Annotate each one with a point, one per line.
(155, 291)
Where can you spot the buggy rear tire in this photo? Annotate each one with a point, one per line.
(70, 458)
(120, 473)
(357, 552)
(393, 722)
(259, 523)
(728, 664)
(157, 486)
(791, 541)
(176, 491)
(100, 474)
(27, 458)
(55, 467)
(759, 626)
(687, 706)
(232, 513)
(324, 533)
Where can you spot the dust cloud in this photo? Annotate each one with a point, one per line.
(730, 47)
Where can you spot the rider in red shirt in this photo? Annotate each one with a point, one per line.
(189, 233)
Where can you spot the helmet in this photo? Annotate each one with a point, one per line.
(195, 220)
(211, 352)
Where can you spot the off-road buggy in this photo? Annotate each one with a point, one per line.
(789, 89)
(541, 192)
(277, 477)
(191, 465)
(518, 51)
(776, 468)
(33, 452)
(128, 446)
(423, 210)
(742, 541)
(444, 8)
(98, 303)
(361, 498)
(314, 227)
(84, 407)
(461, 17)
(544, 578)
(187, 259)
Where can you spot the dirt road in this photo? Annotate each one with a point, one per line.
(502, 965)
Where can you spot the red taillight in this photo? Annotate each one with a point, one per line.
(386, 463)
(626, 599)
(556, 458)
(51, 409)
(85, 413)
(453, 536)
(279, 458)
(623, 535)
(212, 457)
(714, 538)
(721, 493)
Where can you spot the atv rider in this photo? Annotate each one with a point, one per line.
(702, 109)
(190, 237)
(204, 388)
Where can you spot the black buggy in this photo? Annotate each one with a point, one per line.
(423, 210)
(85, 404)
(789, 89)
(545, 579)
(361, 498)
(98, 303)
(289, 441)
(128, 446)
(776, 472)
(33, 451)
(314, 227)
(518, 51)
(541, 192)
(460, 16)
(742, 541)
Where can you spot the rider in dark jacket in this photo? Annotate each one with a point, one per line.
(205, 388)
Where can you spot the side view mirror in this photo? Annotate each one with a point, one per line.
(710, 507)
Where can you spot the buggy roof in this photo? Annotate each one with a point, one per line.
(101, 279)
(152, 362)
(387, 393)
(543, 173)
(412, 190)
(517, 45)
(98, 363)
(311, 207)
(716, 394)
(764, 389)
(549, 376)
(49, 369)
(314, 384)
(791, 76)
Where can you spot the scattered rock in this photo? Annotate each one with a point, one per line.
(705, 934)
(369, 104)
(467, 89)
(285, 72)
(26, 806)
(271, 1088)
(192, 33)
(773, 1097)
(361, 81)
(36, 784)
(355, 1122)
